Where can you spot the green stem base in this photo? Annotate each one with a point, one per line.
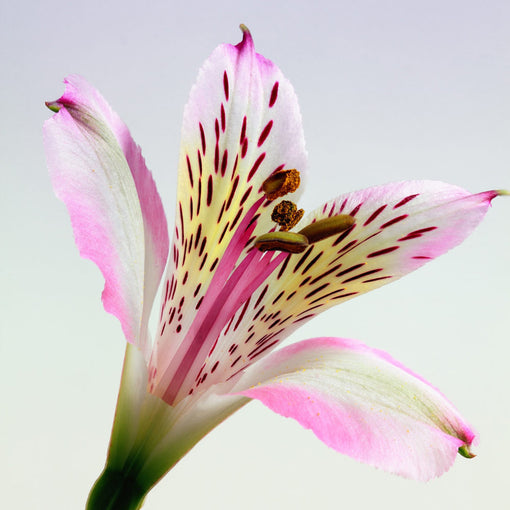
(114, 491)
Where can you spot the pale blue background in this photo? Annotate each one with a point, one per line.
(389, 90)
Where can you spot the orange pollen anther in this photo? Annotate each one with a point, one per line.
(287, 215)
(281, 183)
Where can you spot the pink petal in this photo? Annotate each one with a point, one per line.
(116, 212)
(399, 227)
(241, 123)
(362, 403)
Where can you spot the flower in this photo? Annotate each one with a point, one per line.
(241, 276)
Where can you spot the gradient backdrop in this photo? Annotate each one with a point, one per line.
(389, 90)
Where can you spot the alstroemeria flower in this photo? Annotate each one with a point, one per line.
(236, 286)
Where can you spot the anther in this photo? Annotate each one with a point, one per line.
(322, 229)
(281, 183)
(287, 215)
(289, 242)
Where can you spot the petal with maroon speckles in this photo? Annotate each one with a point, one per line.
(241, 123)
(398, 228)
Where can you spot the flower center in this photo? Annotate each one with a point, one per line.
(287, 215)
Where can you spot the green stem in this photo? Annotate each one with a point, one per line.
(115, 491)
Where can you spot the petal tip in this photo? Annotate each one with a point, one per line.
(247, 38)
(465, 451)
(54, 106)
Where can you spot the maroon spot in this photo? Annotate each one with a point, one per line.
(171, 318)
(362, 275)
(255, 166)
(244, 148)
(258, 313)
(221, 213)
(374, 215)
(243, 131)
(224, 232)
(235, 361)
(264, 348)
(309, 316)
(199, 158)
(265, 133)
(277, 298)
(246, 195)
(315, 291)
(224, 161)
(395, 220)
(199, 303)
(377, 279)
(216, 158)
(182, 222)
(305, 281)
(217, 129)
(355, 210)
(302, 259)
(349, 270)
(383, 251)
(203, 262)
(417, 233)
(332, 210)
(178, 328)
(190, 171)
(202, 137)
(191, 208)
(234, 168)
(214, 264)
(343, 235)
(202, 247)
(199, 196)
(345, 295)
(323, 275)
(348, 246)
(274, 95)
(342, 207)
(225, 84)
(291, 295)
(312, 262)
(232, 192)
(209, 190)
(222, 116)
(233, 348)
(236, 219)
(215, 366)
(197, 290)
(326, 296)
(185, 279)
(422, 257)
(262, 294)
(405, 200)
(199, 233)
(245, 307)
(162, 329)
(284, 267)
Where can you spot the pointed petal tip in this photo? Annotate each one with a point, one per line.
(466, 452)
(54, 106)
(247, 38)
(502, 192)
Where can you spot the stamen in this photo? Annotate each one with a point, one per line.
(327, 227)
(287, 215)
(281, 183)
(289, 242)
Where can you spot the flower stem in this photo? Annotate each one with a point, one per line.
(115, 491)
